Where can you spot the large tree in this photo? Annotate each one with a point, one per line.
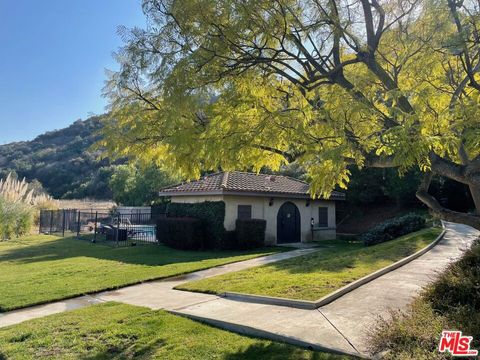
(134, 185)
(323, 83)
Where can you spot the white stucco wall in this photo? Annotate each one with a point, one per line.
(196, 199)
(306, 213)
(231, 208)
(262, 210)
(328, 233)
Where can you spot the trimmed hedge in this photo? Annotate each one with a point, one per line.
(181, 233)
(211, 214)
(229, 240)
(199, 226)
(159, 210)
(250, 233)
(392, 229)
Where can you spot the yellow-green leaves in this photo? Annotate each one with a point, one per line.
(250, 84)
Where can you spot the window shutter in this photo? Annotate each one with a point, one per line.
(323, 216)
(244, 212)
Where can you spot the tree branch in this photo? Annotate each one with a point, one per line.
(448, 168)
(439, 210)
(288, 156)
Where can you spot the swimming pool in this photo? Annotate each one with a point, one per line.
(141, 232)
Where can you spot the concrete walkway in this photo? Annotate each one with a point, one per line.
(354, 313)
(155, 295)
(339, 326)
(343, 324)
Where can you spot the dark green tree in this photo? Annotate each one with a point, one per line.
(134, 185)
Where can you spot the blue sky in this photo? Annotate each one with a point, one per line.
(53, 59)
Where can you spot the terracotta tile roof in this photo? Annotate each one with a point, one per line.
(244, 182)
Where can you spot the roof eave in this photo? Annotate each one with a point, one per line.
(246, 193)
(189, 193)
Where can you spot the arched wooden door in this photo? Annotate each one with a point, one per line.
(288, 223)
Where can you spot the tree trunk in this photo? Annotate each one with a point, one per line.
(475, 191)
(443, 213)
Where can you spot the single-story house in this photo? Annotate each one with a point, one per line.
(284, 202)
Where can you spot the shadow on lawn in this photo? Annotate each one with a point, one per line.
(126, 351)
(153, 255)
(278, 351)
(350, 255)
(254, 352)
(345, 255)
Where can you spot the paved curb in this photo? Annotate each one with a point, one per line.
(357, 283)
(271, 300)
(305, 304)
(251, 331)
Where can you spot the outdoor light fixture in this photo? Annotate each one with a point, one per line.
(307, 204)
(270, 203)
(312, 224)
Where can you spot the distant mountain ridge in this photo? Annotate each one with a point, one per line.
(62, 161)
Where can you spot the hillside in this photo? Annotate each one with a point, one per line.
(61, 161)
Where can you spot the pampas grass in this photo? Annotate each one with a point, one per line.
(16, 191)
(16, 219)
(19, 207)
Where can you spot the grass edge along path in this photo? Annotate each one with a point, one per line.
(40, 269)
(451, 302)
(121, 331)
(312, 276)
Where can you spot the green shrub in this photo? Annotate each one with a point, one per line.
(250, 233)
(211, 213)
(159, 209)
(181, 233)
(414, 334)
(392, 229)
(456, 293)
(229, 240)
(452, 302)
(16, 219)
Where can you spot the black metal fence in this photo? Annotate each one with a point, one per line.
(115, 229)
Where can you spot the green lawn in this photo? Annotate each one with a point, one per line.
(42, 268)
(313, 276)
(118, 331)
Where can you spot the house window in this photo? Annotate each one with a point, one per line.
(323, 216)
(244, 212)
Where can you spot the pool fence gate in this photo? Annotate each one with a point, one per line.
(99, 226)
